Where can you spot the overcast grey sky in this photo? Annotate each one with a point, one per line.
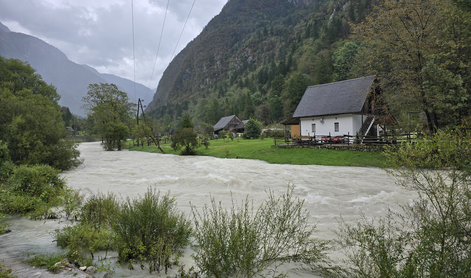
(99, 32)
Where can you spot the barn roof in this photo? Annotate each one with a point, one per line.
(241, 124)
(223, 122)
(343, 97)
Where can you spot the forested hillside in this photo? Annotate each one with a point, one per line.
(256, 58)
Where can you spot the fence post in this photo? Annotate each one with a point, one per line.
(348, 139)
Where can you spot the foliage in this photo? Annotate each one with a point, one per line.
(185, 140)
(186, 121)
(151, 230)
(31, 123)
(110, 112)
(253, 129)
(5, 272)
(263, 150)
(241, 62)
(295, 88)
(100, 210)
(343, 60)
(142, 133)
(244, 242)
(431, 237)
(32, 190)
(4, 228)
(420, 51)
(47, 261)
(85, 238)
(222, 134)
(93, 233)
(72, 202)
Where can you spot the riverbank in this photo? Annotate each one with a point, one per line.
(264, 150)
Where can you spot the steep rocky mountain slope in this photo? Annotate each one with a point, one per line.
(231, 67)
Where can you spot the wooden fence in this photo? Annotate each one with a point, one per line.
(344, 139)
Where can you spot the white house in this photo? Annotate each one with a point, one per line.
(351, 107)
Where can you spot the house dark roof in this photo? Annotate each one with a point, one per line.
(343, 97)
(223, 122)
(241, 124)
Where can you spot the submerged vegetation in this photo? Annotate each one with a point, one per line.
(245, 242)
(430, 238)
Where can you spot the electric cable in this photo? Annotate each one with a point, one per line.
(133, 47)
(171, 58)
(158, 48)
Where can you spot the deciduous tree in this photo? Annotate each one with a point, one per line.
(30, 119)
(403, 38)
(110, 111)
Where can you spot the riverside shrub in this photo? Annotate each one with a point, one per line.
(151, 230)
(431, 237)
(32, 190)
(244, 242)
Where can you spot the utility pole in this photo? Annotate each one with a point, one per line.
(152, 136)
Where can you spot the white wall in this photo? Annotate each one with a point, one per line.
(348, 123)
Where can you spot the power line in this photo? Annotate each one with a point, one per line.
(133, 48)
(158, 48)
(182, 32)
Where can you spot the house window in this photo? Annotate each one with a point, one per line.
(313, 128)
(336, 127)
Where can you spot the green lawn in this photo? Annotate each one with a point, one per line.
(263, 150)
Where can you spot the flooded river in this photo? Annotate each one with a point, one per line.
(329, 192)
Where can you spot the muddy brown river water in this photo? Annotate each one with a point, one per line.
(329, 192)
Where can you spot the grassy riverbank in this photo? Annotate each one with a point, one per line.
(263, 150)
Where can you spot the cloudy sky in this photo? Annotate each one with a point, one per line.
(99, 32)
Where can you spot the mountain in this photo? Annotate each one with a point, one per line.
(70, 79)
(255, 58)
(134, 90)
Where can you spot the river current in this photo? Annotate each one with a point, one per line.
(329, 192)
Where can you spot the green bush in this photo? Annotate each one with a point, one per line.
(253, 129)
(72, 202)
(47, 261)
(151, 230)
(244, 242)
(32, 190)
(84, 238)
(430, 238)
(93, 233)
(5, 272)
(185, 139)
(100, 210)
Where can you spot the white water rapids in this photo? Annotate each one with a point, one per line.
(329, 192)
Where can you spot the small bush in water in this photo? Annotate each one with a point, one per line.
(93, 233)
(151, 230)
(243, 242)
(32, 190)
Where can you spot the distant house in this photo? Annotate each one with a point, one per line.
(71, 130)
(345, 107)
(229, 123)
(240, 128)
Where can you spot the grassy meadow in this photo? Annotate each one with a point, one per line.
(264, 150)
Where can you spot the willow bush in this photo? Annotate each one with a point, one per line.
(93, 232)
(151, 230)
(32, 190)
(244, 242)
(431, 237)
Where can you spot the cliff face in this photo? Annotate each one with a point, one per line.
(220, 48)
(254, 57)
